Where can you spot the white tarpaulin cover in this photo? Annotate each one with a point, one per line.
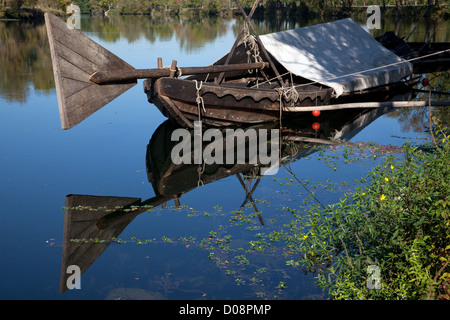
(326, 52)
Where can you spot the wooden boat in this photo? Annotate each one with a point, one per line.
(262, 79)
(235, 102)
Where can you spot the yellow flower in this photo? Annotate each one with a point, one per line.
(305, 237)
(364, 194)
(386, 179)
(392, 167)
(382, 197)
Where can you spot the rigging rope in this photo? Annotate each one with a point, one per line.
(252, 50)
(200, 105)
(290, 94)
(199, 99)
(368, 70)
(200, 171)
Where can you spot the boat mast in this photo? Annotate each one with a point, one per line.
(249, 23)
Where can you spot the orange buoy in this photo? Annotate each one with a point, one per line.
(316, 126)
(316, 113)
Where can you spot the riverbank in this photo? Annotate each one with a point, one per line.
(37, 13)
(29, 13)
(286, 12)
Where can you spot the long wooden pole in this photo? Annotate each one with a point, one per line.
(392, 104)
(102, 77)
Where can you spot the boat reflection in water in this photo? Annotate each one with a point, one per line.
(105, 218)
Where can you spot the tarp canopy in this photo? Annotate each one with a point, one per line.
(331, 53)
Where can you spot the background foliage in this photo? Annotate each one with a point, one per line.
(12, 8)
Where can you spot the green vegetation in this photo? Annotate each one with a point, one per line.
(400, 224)
(30, 9)
(21, 8)
(217, 6)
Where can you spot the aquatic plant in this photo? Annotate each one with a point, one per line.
(394, 221)
(398, 225)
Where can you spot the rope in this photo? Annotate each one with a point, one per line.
(291, 94)
(200, 171)
(251, 46)
(199, 99)
(363, 71)
(281, 93)
(200, 105)
(271, 79)
(252, 50)
(372, 69)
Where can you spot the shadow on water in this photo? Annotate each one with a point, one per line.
(93, 223)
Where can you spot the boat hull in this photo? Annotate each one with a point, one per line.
(186, 101)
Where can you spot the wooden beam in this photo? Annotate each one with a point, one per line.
(173, 69)
(392, 104)
(113, 76)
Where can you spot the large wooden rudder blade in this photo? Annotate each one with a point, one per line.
(75, 58)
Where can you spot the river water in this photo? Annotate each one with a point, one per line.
(204, 244)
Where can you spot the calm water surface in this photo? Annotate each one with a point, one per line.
(199, 248)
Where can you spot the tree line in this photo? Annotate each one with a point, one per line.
(215, 6)
(12, 8)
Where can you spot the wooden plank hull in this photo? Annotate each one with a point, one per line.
(224, 105)
(233, 104)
